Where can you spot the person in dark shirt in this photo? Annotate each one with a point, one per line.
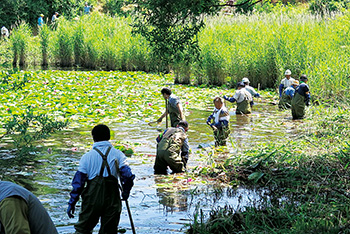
(301, 99)
(22, 212)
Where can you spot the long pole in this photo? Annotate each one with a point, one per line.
(166, 113)
(130, 217)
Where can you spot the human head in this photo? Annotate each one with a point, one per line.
(303, 78)
(240, 85)
(56, 13)
(218, 102)
(184, 124)
(295, 83)
(86, 3)
(287, 73)
(41, 15)
(166, 92)
(101, 133)
(246, 81)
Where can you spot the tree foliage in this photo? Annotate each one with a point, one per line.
(171, 26)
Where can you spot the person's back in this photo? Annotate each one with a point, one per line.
(300, 99)
(16, 201)
(99, 169)
(286, 99)
(243, 98)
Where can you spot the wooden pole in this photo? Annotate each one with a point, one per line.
(130, 217)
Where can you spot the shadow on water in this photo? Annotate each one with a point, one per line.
(158, 206)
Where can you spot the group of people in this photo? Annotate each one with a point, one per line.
(173, 148)
(104, 177)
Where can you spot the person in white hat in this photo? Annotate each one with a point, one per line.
(286, 82)
(250, 89)
(287, 95)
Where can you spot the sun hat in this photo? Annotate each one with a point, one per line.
(288, 72)
(42, 15)
(245, 80)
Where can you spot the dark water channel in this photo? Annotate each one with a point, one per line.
(155, 209)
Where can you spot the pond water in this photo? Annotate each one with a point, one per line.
(155, 208)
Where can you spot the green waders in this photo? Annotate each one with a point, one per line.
(100, 198)
(168, 152)
(174, 114)
(221, 135)
(285, 101)
(14, 215)
(298, 106)
(243, 107)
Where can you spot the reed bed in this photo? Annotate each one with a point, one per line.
(259, 46)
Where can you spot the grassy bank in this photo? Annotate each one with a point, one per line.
(306, 180)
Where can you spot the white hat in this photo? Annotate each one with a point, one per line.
(245, 80)
(288, 72)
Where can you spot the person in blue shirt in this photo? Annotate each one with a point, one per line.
(172, 149)
(301, 99)
(287, 95)
(99, 169)
(87, 8)
(41, 20)
(219, 122)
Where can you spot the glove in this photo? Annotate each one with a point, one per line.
(307, 103)
(214, 128)
(208, 123)
(225, 97)
(127, 184)
(70, 210)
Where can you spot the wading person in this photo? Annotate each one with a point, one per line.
(4, 33)
(41, 20)
(287, 95)
(220, 124)
(172, 149)
(250, 89)
(87, 9)
(99, 169)
(21, 212)
(243, 99)
(285, 82)
(174, 107)
(301, 99)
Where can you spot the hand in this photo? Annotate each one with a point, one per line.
(208, 123)
(125, 194)
(307, 103)
(70, 210)
(159, 120)
(225, 97)
(214, 128)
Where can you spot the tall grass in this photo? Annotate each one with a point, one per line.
(262, 46)
(44, 42)
(20, 40)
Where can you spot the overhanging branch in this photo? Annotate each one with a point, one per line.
(237, 5)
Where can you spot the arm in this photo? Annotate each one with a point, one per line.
(179, 106)
(161, 117)
(78, 186)
(127, 181)
(257, 95)
(280, 88)
(307, 98)
(231, 99)
(209, 119)
(184, 152)
(220, 123)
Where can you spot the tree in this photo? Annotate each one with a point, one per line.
(172, 26)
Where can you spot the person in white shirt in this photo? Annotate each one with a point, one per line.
(286, 82)
(100, 169)
(250, 89)
(243, 99)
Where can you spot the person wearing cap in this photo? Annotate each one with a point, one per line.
(87, 8)
(4, 32)
(250, 89)
(301, 99)
(243, 99)
(22, 212)
(285, 82)
(174, 108)
(287, 95)
(41, 20)
(97, 182)
(54, 17)
(220, 124)
(172, 149)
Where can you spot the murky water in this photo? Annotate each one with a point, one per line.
(155, 209)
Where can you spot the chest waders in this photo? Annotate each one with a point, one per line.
(298, 106)
(244, 107)
(100, 199)
(221, 135)
(168, 152)
(174, 114)
(285, 101)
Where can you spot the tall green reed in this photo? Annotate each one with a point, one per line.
(44, 34)
(20, 40)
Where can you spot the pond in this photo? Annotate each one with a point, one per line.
(156, 205)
